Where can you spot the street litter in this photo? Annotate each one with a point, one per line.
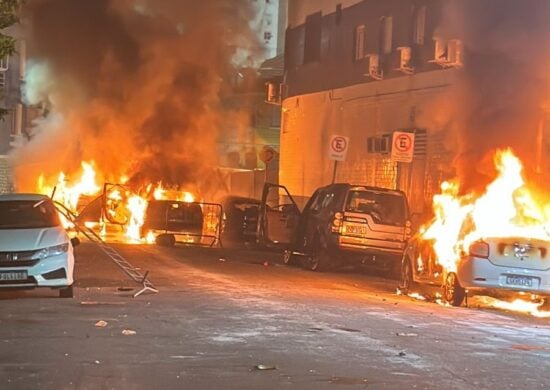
(222, 259)
(262, 367)
(128, 332)
(101, 324)
(406, 334)
(401, 354)
(266, 263)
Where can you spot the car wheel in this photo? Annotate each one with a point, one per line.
(454, 293)
(407, 281)
(165, 240)
(288, 257)
(320, 260)
(66, 292)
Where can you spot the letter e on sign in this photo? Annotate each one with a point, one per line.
(338, 147)
(402, 148)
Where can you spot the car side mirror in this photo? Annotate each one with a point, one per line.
(75, 241)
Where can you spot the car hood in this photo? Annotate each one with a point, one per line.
(12, 240)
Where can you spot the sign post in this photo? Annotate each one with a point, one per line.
(402, 149)
(338, 148)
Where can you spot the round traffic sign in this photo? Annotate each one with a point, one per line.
(339, 144)
(403, 142)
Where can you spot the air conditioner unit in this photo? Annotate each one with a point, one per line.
(379, 144)
(374, 67)
(448, 53)
(405, 58)
(273, 92)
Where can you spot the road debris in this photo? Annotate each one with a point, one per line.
(401, 354)
(128, 332)
(263, 367)
(101, 324)
(402, 334)
(222, 259)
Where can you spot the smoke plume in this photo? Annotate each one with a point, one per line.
(504, 86)
(134, 85)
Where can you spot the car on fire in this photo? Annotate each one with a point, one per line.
(35, 250)
(341, 224)
(491, 266)
(171, 221)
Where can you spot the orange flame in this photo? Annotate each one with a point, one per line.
(506, 209)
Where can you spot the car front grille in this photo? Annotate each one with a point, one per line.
(17, 259)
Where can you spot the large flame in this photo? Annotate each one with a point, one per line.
(121, 205)
(506, 209)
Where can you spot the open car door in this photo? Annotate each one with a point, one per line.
(278, 217)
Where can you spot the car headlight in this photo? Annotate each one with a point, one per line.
(51, 251)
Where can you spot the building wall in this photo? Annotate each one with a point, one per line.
(333, 93)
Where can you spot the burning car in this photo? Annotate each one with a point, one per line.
(35, 250)
(167, 219)
(492, 266)
(492, 244)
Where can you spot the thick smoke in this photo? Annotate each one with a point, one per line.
(499, 98)
(134, 85)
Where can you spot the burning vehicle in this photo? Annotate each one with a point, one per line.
(494, 244)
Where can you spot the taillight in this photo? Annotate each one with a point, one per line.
(337, 222)
(479, 249)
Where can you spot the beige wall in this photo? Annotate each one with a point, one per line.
(299, 9)
(359, 112)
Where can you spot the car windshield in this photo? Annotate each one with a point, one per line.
(385, 208)
(28, 214)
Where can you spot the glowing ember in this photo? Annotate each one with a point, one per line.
(506, 209)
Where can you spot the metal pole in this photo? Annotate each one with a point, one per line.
(334, 171)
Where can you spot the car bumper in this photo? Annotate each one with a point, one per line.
(476, 274)
(369, 246)
(55, 271)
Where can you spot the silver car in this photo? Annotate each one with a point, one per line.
(492, 266)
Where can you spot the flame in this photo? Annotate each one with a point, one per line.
(518, 305)
(121, 204)
(506, 209)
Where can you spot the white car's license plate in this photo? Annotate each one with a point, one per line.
(11, 276)
(521, 281)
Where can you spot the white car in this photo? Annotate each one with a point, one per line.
(35, 250)
(493, 266)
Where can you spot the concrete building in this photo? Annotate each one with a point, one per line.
(12, 71)
(365, 69)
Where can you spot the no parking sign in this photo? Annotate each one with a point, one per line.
(338, 147)
(402, 148)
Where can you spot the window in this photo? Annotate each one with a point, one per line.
(386, 32)
(359, 42)
(4, 63)
(419, 31)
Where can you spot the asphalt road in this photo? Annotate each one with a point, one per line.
(239, 319)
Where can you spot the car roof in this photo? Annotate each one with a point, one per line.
(16, 196)
(349, 186)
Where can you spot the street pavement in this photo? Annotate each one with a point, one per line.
(239, 319)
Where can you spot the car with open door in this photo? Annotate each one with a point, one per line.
(35, 250)
(492, 266)
(341, 223)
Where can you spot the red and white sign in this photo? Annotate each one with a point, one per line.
(338, 147)
(402, 148)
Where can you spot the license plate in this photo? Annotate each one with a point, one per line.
(11, 276)
(522, 281)
(356, 229)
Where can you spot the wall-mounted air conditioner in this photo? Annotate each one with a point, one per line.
(375, 71)
(405, 58)
(379, 144)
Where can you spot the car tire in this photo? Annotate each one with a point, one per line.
(165, 240)
(406, 282)
(289, 258)
(453, 292)
(320, 260)
(66, 292)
